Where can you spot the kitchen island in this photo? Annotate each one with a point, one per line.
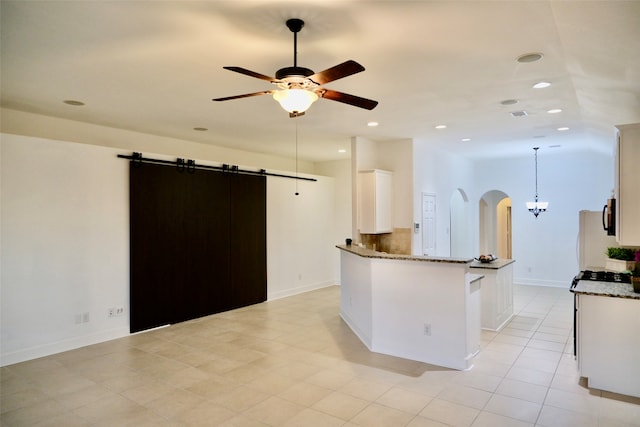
(497, 292)
(415, 307)
(607, 338)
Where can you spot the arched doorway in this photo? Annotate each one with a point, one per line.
(495, 224)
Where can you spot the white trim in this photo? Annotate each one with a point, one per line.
(63, 345)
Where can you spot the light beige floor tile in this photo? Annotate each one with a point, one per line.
(107, 409)
(522, 390)
(205, 414)
(546, 345)
(479, 380)
(425, 422)
(172, 405)
(364, 389)
(556, 417)
(215, 367)
(311, 418)
(376, 415)
(450, 413)
(304, 393)
(330, 378)
(274, 411)
(32, 414)
(84, 396)
(488, 419)
(242, 421)
(583, 403)
(528, 375)
(341, 405)
(148, 392)
(404, 400)
(542, 365)
(22, 398)
(467, 396)
(513, 408)
(271, 383)
(240, 398)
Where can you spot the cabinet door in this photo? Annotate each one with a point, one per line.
(628, 185)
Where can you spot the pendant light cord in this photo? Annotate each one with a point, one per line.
(536, 162)
(297, 193)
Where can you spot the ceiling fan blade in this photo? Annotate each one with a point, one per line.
(356, 101)
(339, 71)
(246, 95)
(250, 73)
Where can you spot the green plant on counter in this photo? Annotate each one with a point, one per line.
(624, 254)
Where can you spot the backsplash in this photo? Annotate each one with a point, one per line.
(398, 242)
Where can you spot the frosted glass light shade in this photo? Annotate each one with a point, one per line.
(295, 100)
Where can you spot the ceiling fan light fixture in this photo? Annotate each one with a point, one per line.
(295, 100)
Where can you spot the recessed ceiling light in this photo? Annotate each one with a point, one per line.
(541, 85)
(562, 129)
(342, 150)
(73, 102)
(555, 146)
(201, 129)
(372, 124)
(539, 136)
(509, 102)
(465, 139)
(441, 127)
(555, 111)
(529, 57)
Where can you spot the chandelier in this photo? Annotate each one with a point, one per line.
(536, 207)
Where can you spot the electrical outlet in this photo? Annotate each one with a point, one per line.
(112, 312)
(427, 329)
(119, 311)
(85, 317)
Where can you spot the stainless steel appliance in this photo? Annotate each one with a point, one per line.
(609, 217)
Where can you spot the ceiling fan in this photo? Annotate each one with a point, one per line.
(299, 87)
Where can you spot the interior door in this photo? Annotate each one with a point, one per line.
(428, 224)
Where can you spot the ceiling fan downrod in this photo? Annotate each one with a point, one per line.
(295, 25)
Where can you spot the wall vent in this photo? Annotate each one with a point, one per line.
(519, 113)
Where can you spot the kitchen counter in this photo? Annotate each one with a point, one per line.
(369, 253)
(497, 292)
(426, 309)
(605, 289)
(493, 265)
(607, 339)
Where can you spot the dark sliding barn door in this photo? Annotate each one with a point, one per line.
(198, 243)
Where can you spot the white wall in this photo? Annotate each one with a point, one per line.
(442, 174)
(545, 248)
(393, 156)
(65, 243)
(29, 124)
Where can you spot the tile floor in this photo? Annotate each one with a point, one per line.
(293, 362)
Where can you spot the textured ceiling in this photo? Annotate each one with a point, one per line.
(154, 66)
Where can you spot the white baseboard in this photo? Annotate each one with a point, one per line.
(63, 345)
(299, 290)
(539, 282)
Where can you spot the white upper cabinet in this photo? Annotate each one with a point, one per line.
(628, 185)
(375, 201)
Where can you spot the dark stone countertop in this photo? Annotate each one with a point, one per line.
(493, 265)
(369, 253)
(605, 289)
